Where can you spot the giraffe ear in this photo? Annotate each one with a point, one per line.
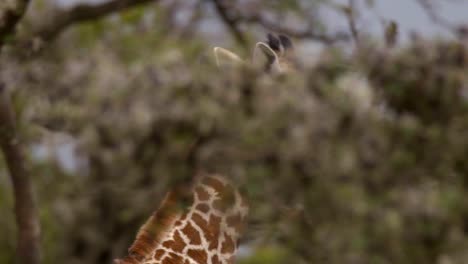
(226, 57)
(286, 42)
(273, 42)
(264, 56)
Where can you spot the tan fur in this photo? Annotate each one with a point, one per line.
(225, 56)
(154, 229)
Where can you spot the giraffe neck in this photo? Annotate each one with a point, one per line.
(202, 230)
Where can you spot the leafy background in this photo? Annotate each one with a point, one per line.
(360, 158)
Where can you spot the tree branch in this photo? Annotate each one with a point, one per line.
(230, 22)
(308, 33)
(27, 221)
(28, 251)
(350, 13)
(9, 18)
(83, 12)
(233, 19)
(33, 42)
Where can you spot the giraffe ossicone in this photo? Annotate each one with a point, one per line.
(276, 55)
(198, 225)
(206, 229)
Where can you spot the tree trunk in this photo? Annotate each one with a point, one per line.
(27, 220)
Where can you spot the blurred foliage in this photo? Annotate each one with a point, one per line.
(360, 159)
(271, 255)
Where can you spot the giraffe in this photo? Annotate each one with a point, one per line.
(276, 55)
(202, 224)
(196, 225)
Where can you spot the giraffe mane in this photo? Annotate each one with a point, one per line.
(153, 231)
(197, 223)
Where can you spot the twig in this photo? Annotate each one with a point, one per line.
(351, 18)
(231, 22)
(433, 16)
(28, 251)
(307, 33)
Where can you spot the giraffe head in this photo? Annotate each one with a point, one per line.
(276, 55)
(206, 230)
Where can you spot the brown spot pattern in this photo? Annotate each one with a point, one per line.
(172, 259)
(192, 234)
(202, 194)
(214, 231)
(198, 256)
(228, 245)
(221, 205)
(204, 208)
(158, 254)
(226, 199)
(215, 259)
(235, 221)
(211, 229)
(214, 183)
(177, 244)
(183, 217)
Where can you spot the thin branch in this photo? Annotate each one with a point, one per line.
(83, 12)
(230, 22)
(27, 220)
(431, 12)
(350, 12)
(308, 33)
(460, 30)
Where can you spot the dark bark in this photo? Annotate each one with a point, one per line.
(27, 220)
(9, 19)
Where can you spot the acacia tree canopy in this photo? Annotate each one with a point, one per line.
(360, 157)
